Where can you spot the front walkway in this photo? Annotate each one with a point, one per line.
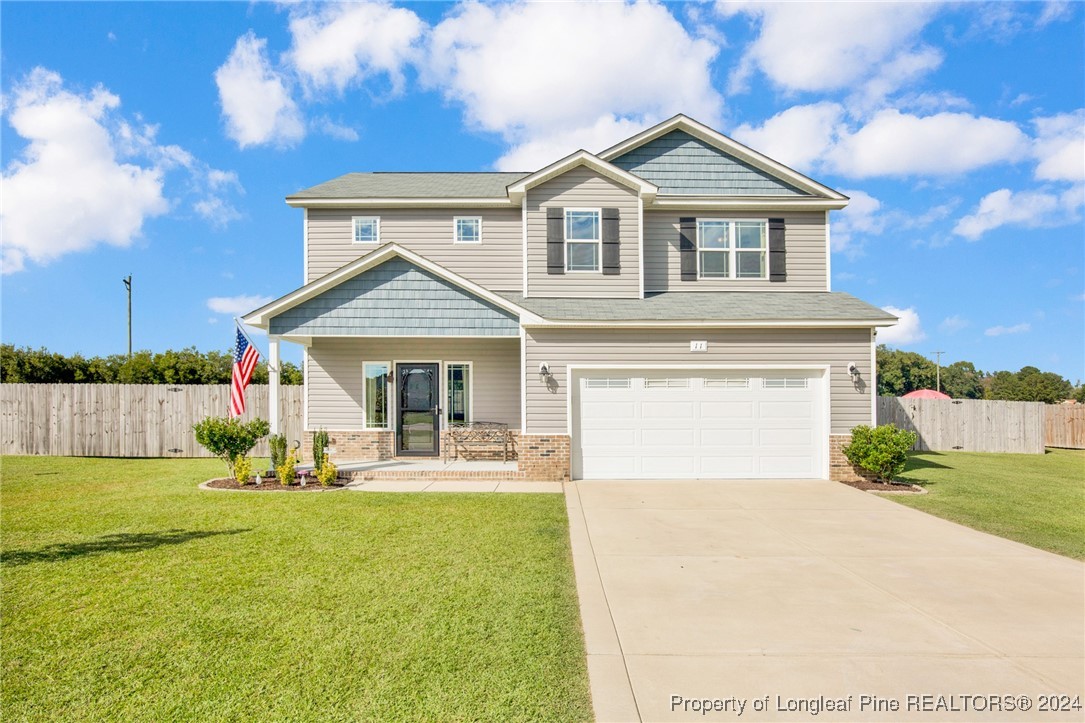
(792, 595)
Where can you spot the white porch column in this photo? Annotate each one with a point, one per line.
(273, 383)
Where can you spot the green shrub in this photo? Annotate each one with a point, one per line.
(881, 451)
(326, 473)
(242, 469)
(277, 447)
(320, 443)
(229, 438)
(285, 471)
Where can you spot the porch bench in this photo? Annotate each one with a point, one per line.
(464, 437)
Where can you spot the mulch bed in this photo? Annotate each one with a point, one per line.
(891, 488)
(274, 486)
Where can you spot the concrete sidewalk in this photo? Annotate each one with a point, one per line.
(795, 596)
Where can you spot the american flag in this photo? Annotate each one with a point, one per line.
(245, 358)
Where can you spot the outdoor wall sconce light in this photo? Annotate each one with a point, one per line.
(853, 371)
(544, 371)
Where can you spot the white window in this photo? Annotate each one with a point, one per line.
(367, 229)
(608, 383)
(785, 382)
(583, 245)
(732, 249)
(375, 395)
(727, 383)
(459, 392)
(667, 383)
(468, 230)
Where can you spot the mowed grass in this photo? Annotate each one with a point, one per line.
(129, 594)
(1037, 499)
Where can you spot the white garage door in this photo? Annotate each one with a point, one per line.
(699, 425)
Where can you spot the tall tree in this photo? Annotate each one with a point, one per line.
(960, 380)
(900, 372)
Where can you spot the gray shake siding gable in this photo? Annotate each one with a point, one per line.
(583, 187)
(680, 164)
(396, 298)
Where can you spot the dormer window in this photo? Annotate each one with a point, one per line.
(732, 249)
(367, 229)
(582, 239)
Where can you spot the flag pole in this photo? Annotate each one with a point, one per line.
(267, 358)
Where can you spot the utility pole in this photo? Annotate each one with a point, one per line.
(128, 285)
(939, 354)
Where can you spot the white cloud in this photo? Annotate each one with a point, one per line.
(255, 100)
(216, 211)
(908, 329)
(796, 137)
(953, 324)
(236, 305)
(1060, 147)
(1030, 209)
(340, 44)
(860, 217)
(823, 47)
(1015, 329)
(618, 66)
(900, 144)
(68, 190)
(1054, 10)
(338, 131)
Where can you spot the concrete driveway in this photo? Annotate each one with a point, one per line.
(791, 600)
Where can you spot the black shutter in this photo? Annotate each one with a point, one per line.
(777, 250)
(611, 242)
(687, 248)
(555, 240)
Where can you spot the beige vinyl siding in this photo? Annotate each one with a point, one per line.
(335, 375)
(583, 188)
(751, 348)
(496, 263)
(805, 240)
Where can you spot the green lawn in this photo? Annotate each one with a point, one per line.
(128, 594)
(1035, 499)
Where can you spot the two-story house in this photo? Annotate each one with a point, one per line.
(659, 310)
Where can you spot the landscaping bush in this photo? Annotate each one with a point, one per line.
(242, 469)
(285, 471)
(326, 473)
(229, 438)
(882, 451)
(320, 443)
(277, 447)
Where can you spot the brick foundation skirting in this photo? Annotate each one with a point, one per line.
(545, 457)
(840, 469)
(351, 446)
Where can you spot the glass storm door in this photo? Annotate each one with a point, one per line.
(418, 421)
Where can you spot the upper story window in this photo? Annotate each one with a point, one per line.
(732, 249)
(468, 230)
(582, 240)
(367, 229)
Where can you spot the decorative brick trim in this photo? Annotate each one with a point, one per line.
(840, 469)
(545, 457)
(352, 446)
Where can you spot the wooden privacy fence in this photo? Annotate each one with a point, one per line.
(127, 420)
(971, 425)
(1065, 426)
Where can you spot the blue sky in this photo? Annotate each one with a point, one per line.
(159, 139)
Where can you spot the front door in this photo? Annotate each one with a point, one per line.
(418, 421)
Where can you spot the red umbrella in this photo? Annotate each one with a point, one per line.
(926, 394)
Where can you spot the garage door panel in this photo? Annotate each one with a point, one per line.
(727, 410)
(666, 410)
(726, 437)
(681, 427)
(785, 437)
(785, 410)
(610, 437)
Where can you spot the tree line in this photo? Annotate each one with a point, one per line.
(900, 372)
(186, 366)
